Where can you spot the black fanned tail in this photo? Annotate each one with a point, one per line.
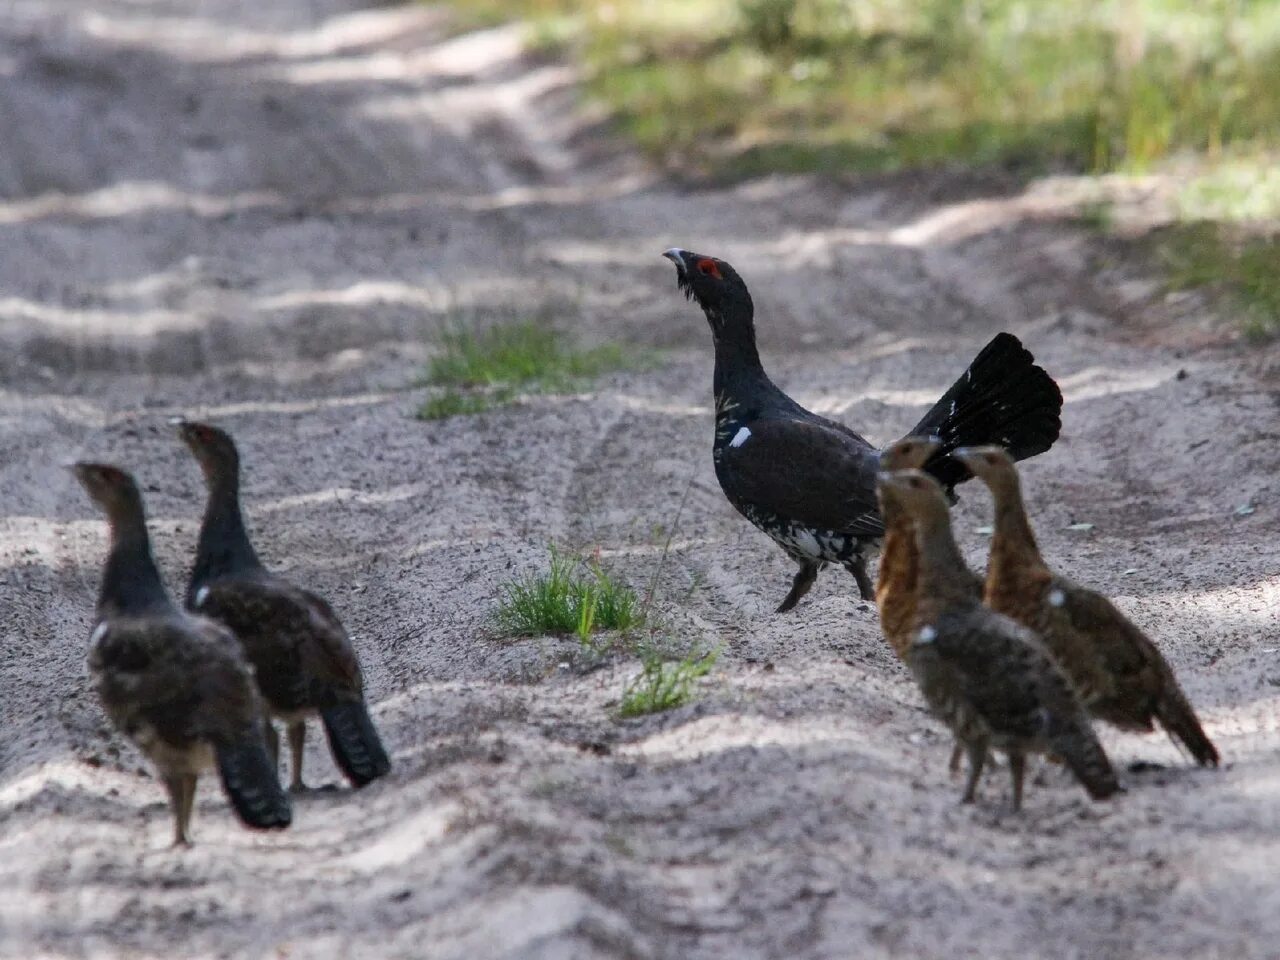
(356, 746)
(1003, 398)
(249, 779)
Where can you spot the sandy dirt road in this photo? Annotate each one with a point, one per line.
(262, 213)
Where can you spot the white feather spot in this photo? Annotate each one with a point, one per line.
(740, 437)
(926, 635)
(808, 544)
(201, 595)
(99, 632)
(1057, 598)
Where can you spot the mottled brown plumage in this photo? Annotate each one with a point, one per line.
(986, 677)
(1118, 672)
(304, 661)
(898, 576)
(896, 580)
(179, 686)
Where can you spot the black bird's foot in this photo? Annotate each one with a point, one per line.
(804, 578)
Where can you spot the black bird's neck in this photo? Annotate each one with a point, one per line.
(131, 581)
(742, 389)
(224, 546)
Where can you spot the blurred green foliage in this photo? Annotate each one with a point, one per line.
(480, 370)
(1210, 255)
(752, 85)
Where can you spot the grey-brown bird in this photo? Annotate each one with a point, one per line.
(898, 577)
(988, 678)
(304, 661)
(1119, 673)
(178, 686)
(897, 582)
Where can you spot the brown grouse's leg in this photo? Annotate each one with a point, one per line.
(956, 753)
(297, 737)
(977, 750)
(858, 567)
(804, 578)
(1017, 769)
(188, 803)
(176, 787)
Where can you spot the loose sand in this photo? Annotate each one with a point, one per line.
(261, 213)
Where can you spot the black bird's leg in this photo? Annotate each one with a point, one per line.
(297, 737)
(857, 565)
(273, 743)
(804, 578)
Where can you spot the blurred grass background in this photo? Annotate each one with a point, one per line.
(731, 88)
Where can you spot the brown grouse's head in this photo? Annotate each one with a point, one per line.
(917, 492)
(992, 465)
(909, 453)
(213, 448)
(110, 488)
(716, 286)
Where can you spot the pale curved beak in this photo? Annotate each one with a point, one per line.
(676, 256)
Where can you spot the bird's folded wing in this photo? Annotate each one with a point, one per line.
(805, 472)
(1128, 655)
(310, 640)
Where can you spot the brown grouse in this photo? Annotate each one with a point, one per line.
(809, 482)
(178, 685)
(304, 661)
(1119, 673)
(898, 579)
(988, 678)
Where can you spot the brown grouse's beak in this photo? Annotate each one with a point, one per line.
(971, 458)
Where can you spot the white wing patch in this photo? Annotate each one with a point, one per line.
(807, 543)
(926, 635)
(99, 632)
(1057, 598)
(741, 437)
(202, 594)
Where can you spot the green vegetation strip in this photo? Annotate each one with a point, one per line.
(1247, 269)
(747, 86)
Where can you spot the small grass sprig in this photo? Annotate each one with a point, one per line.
(663, 684)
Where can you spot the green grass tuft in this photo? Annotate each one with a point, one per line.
(453, 402)
(662, 684)
(572, 597)
(480, 370)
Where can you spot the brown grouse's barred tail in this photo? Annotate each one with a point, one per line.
(1003, 398)
(1175, 715)
(249, 779)
(355, 743)
(1079, 748)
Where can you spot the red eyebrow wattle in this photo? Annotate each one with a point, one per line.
(710, 267)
